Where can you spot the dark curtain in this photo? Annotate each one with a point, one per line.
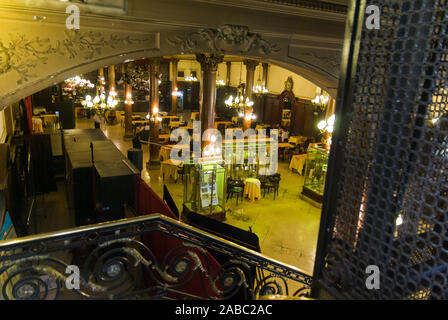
(160, 244)
(42, 171)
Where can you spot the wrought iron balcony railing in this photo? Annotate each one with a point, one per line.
(148, 257)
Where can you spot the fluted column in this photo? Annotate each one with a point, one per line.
(154, 111)
(209, 67)
(228, 76)
(174, 63)
(128, 132)
(250, 75)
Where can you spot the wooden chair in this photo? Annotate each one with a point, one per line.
(235, 187)
(269, 183)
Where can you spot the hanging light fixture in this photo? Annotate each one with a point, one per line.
(239, 102)
(191, 77)
(219, 82)
(327, 126)
(129, 98)
(321, 100)
(259, 89)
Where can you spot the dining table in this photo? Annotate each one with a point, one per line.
(50, 120)
(170, 168)
(298, 162)
(37, 125)
(297, 139)
(225, 123)
(165, 151)
(252, 188)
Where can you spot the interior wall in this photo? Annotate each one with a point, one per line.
(302, 88)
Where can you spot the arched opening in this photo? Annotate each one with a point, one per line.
(279, 107)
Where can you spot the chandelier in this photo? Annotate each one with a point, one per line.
(79, 82)
(327, 126)
(191, 78)
(259, 89)
(220, 83)
(129, 99)
(100, 102)
(320, 101)
(238, 102)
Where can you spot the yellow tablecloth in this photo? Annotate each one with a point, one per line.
(169, 168)
(164, 137)
(50, 119)
(37, 125)
(252, 188)
(261, 126)
(165, 151)
(297, 139)
(298, 162)
(285, 145)
(194, 116)
(226, 123)
(174, 124)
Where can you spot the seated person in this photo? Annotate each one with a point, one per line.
(285, 135)
(142, 133)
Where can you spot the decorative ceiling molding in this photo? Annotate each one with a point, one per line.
(225, 39)
(312, 4)
(326, 61)
(305, 8)
(22, 54)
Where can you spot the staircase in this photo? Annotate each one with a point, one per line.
(147, 257)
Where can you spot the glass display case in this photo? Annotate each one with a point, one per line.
(249, 150)
(315, 174)
(205, 189)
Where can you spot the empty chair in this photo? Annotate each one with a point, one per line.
(235, 187)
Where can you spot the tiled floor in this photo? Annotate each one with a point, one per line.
(287, 227)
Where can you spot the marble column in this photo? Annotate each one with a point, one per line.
(209, 67)
(154, 112)
(111, 76)
(201, 91)
(128, 132)
(174, 63)
(101, 80)
(228, 76)
(265, 74)
(250, 75)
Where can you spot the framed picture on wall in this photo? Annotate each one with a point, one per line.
(286, 114)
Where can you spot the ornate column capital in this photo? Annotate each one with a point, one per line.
(251, 64)
(209, 62)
